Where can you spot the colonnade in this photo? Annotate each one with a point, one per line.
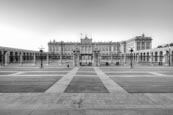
(13, 55)
(160, 56)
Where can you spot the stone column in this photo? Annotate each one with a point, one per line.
(6, 58)
(21, 58)
(3, 58)
(150, 57)
(137, 58)
(171, 58)
(165, 58)
(158, 55)
(47, 59)
(153, 57)
(93, 59)
(34, 59)
(111, 58)
(15, 57)
(125, 58)
(60, 59)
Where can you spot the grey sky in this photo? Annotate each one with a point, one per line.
(29, 24)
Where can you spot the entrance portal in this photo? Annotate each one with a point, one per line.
(86, 59)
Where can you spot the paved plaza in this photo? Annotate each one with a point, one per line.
(112, 90)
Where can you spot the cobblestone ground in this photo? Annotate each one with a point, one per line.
(118, 81)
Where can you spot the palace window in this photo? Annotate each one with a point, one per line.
(138, 45)
(148, 45)
(115, 48)
(106, 48)
(143, 45)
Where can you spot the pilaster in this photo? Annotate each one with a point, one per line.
(6, 58)
(21, 58)
(34, 59)
(47, 57)
(165, 58)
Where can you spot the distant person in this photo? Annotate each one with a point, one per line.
(68, 65)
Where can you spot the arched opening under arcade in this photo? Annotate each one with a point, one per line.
(141, 58)
(11, 57)
(144, 57)
(148, 57)
(156, 57)
(161, 56)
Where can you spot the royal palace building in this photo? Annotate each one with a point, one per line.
(87, 52)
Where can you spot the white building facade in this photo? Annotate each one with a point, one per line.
(87, 52)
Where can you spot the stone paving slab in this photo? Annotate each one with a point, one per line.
(166, 73)
(118, 102)
(86, 85)
(157, 73)
(7, 73)
(86, 73)
(145, 84)
(63, 110)
(129, 112)
(35, 69)
(124, 69)
(42, 73)
(160, 99)
(116, 99)
(111, 76)
(128, 73)
(86, 69)
(29, 78)
(25, 84)
(85, 76)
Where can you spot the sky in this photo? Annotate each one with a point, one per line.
(31, 24)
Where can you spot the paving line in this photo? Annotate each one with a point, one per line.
(158, 74)
(60, 86)
(18, 73)
(96, 107)
(131, 76)
(108, 82)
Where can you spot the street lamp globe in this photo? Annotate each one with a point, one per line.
(131, 50)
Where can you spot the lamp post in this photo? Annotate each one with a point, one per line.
(131, 50)
(41, 57)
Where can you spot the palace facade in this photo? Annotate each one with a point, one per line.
(88, 52)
